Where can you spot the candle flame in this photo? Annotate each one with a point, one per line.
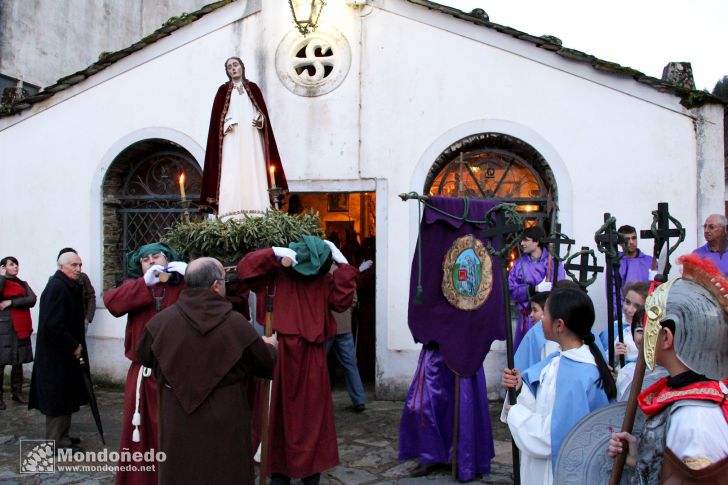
(182, 178)
(272, 169)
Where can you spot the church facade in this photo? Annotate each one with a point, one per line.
(385, 97)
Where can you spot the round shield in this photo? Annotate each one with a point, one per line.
(583, 454)
(467, 273)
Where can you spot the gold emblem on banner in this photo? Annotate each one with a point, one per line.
(467, 273)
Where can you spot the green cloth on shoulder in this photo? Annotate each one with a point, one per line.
(311, 253)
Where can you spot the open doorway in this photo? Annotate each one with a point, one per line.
(349, 220)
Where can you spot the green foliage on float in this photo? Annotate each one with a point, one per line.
(230, 240)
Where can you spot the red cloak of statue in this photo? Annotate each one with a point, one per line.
(210, 192)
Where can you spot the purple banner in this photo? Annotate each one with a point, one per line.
(464, 336)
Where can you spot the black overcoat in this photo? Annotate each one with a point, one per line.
(57, 388)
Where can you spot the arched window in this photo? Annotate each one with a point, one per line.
(496, 166)
(142, 199)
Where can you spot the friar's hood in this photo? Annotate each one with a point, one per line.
(203, 309)
(195, 359)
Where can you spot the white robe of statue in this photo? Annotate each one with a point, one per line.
(243, 182)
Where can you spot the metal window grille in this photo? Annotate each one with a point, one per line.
(151, 202)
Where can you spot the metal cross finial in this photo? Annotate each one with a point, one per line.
(661, 232)
(608, 239)
(507, 223)
(584, 268)
(555, 240)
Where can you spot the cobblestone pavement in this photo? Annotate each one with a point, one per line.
(367, 444)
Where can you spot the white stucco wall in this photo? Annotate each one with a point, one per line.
(419, 81)
(614, 145)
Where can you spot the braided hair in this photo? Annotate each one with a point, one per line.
(576, 309)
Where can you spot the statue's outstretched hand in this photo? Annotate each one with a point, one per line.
(229, 126)
(258, 121)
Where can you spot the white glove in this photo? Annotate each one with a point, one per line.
(651, 274)
(335, 253)
(151, 277)
(365, 265)
(178, 267)
(285, 253)
(544, 286)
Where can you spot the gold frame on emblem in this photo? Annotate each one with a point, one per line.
(486, 268)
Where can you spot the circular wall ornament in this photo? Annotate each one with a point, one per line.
(313, 65)
(467, 273)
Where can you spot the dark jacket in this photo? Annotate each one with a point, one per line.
(12, 350)
(57, 388)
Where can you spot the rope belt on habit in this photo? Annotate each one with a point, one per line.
(136, 420)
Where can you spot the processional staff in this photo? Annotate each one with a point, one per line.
(608, 239)
(275, 195)
(504, 232)
(661, 233)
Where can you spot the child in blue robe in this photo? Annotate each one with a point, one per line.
(534, 346)
(560, 389)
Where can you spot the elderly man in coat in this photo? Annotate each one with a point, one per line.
(56, 387)
(202, 352)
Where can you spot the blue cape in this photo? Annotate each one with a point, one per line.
(577, 394)
(529, 352)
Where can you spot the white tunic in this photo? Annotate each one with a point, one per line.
(529, 420)
(625, 376)
(243, 182)
(698, 432)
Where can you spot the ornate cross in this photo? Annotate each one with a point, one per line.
(498, 231)
(661, 232)
(583, 267)
(554, 241)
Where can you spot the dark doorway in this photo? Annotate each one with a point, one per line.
(349, 220)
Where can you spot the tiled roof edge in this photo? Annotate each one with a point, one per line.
(689, 98)
(106, 59)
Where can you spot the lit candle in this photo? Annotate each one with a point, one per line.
(182, 186)
(272, 171)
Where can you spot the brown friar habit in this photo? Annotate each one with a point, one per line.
(210, 192)
(202, 353)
